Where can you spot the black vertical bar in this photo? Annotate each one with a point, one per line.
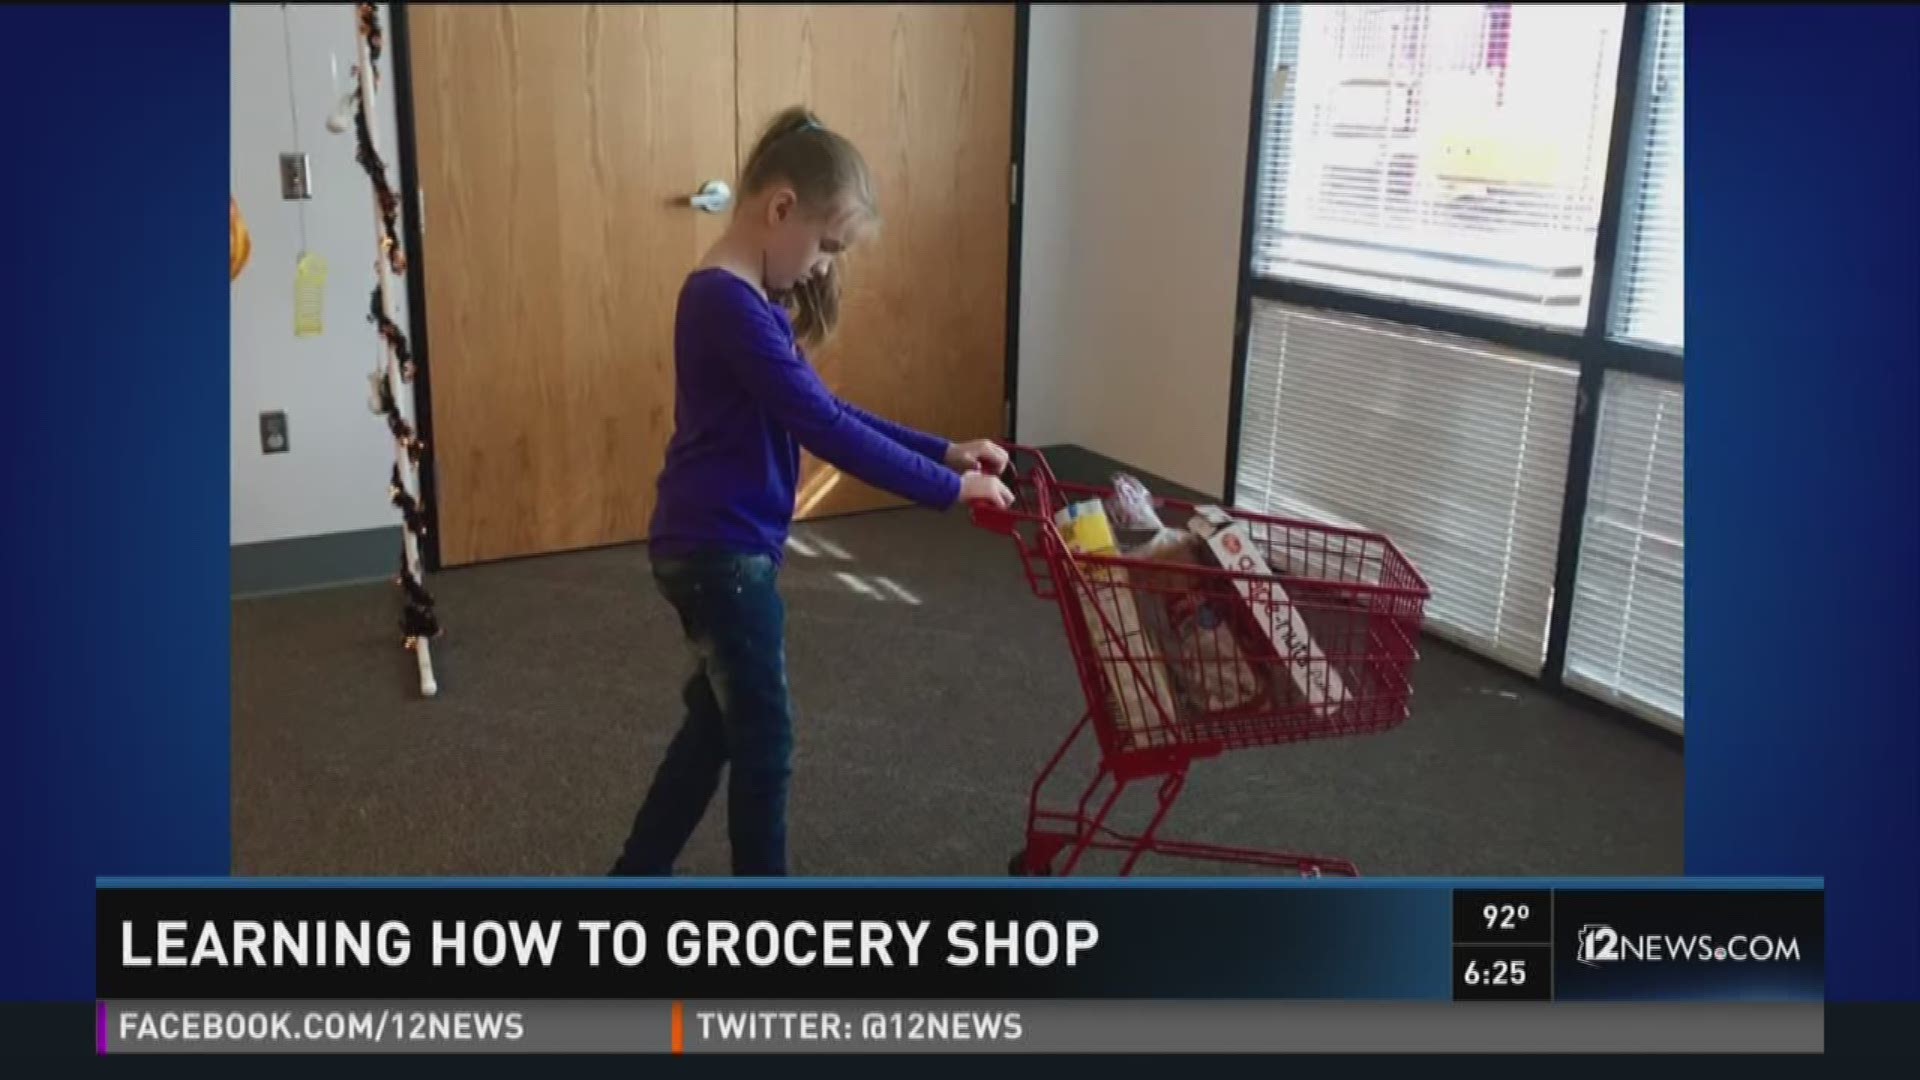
(1011, 391)
(1553, 939)
(402, 45)
(1573, 510)
(1249, 208)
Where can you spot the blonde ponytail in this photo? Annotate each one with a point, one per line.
(828, 175)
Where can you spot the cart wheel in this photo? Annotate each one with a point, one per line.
(1017, 866)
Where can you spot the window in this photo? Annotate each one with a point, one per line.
(1625, 642)
(1450, 155)
(1455, 449)
(1648, 294)
(1426, 233)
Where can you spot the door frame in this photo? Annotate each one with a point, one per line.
(416, 248)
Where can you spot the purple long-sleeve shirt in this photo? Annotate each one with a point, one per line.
(745, 402)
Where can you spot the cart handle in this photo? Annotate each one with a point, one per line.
(995, 519)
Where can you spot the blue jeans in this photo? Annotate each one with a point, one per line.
(738, 715)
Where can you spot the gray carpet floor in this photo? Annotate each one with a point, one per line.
(930, 686)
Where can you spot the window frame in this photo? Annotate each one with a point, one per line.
(1590, 346)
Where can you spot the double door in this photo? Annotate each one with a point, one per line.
(557, 147)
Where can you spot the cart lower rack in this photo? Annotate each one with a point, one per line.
(1311, 632)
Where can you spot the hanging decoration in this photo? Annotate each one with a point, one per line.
(392, 396)
(239, 240)
(385, 200)
(392, 335)
(309, 294)
(309, 266)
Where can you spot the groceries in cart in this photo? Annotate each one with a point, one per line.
(1179, 651)
(1130, 507)
(1188, 645)
(1198, 630)
(1307, 669)
(1142, 695)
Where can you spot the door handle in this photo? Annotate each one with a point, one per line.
(714, 197)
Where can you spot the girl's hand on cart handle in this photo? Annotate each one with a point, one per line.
(977, 488)
(983, 454)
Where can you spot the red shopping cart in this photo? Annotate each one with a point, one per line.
(1182, 660)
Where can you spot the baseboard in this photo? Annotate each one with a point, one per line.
(349, 558)
(314, 562)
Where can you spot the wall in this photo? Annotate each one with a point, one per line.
(1049, 290)
(1136, 164)
(334, 478)
(1135, 159)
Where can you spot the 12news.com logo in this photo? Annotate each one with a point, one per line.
(1602, 944)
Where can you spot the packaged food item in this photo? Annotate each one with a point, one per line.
(1130, 507)
(1196, 626)
(1176, 547)
(1311, 676)
(1210, 670)
(1141, 695)
(1086, 528)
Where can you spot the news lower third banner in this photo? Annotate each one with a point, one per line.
(253, 966)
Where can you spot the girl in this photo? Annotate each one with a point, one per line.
(746, 402)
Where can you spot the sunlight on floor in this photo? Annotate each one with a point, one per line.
(804, 542)
(892, 589)
(859, 585)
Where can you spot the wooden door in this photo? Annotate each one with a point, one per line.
(553, 143)
(926, 92)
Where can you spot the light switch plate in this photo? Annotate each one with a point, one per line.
(296, 178)
(273, 433)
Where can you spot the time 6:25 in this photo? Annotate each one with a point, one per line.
(1495, 973)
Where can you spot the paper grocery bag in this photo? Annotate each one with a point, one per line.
(1198, 625)
(1140, 696)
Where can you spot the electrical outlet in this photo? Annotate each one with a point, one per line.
(273, 433)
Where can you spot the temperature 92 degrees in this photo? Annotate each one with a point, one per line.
(1499, 917)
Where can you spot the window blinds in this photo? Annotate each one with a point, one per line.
(1455, 449)
(1648, 306)
(1625, 639)
(1446, 154)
